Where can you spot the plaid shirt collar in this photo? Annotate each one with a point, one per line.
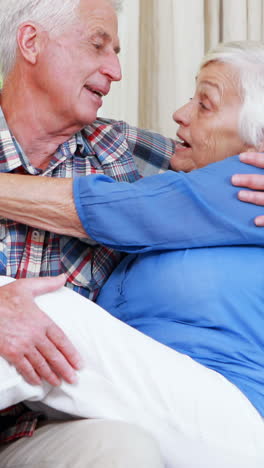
(90, 141)
(12, 155)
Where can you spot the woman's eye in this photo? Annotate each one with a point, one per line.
(203, 106)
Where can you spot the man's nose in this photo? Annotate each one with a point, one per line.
(182, 116)
(112, 68)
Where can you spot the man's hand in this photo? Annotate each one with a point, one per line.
(252, 181)
(29, 339)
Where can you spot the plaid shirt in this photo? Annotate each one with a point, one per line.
(106, 147)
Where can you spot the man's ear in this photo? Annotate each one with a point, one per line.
(28, 37)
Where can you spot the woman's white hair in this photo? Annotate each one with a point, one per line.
(51, 14)
(247, 59)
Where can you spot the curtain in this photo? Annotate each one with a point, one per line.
(162, 44)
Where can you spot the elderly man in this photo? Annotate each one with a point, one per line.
(138, 202)
(58, 59)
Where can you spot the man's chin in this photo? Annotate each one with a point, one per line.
(85, 119)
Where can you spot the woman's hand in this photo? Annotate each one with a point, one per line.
(251, 181)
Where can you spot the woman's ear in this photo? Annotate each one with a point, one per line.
(28, 41)
(260, 148)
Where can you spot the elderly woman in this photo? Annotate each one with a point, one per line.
(202, 394)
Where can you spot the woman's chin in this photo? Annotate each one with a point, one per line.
(183, 161)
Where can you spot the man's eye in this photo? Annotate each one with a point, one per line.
(98, 45)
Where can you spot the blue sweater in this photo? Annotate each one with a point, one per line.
(205, 302)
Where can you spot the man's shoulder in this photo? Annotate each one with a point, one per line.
(102, 123)
(151, 151)
(107, 130)
(134, 135)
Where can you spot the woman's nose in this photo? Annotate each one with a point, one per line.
(183, 114)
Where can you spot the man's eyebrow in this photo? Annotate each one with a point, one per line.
(106, 38)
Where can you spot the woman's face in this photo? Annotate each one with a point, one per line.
(208, 123)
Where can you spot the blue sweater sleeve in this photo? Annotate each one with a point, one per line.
(170, 210)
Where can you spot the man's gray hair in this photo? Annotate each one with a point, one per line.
(53, 15)
(247, 59)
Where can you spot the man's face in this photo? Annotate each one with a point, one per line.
(77, 68)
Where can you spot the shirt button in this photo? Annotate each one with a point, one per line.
(35, 235)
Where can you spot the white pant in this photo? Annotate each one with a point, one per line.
(198, 417)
